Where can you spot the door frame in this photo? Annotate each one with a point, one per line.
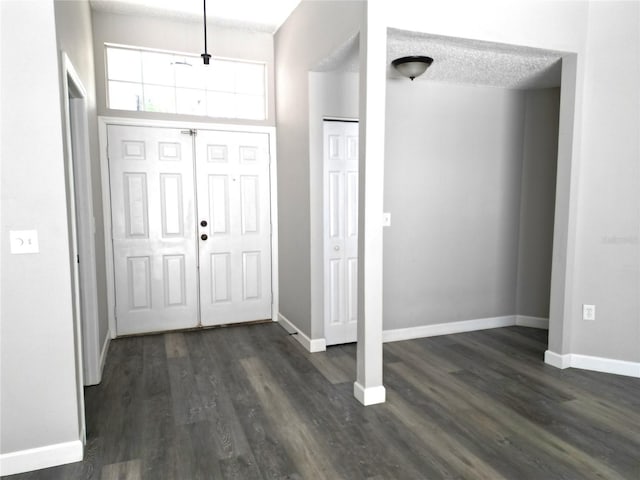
(326, 320)
(81, 232)
(103, 124)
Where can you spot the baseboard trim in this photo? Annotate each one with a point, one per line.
(596, 364)
(557, 360)
(533, 322)
(447, 328)
(41, 457)
(103, 355)
(369, 396)
(312, 345)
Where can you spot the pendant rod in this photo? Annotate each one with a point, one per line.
(205, 56)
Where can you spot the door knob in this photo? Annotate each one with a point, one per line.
(204, 236)
(337, 248)
(203, 223)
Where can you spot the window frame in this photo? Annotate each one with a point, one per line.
(264, 103)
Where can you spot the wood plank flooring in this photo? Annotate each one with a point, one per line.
(249, 403)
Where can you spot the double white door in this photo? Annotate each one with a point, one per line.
(340, 231)
(190, 227)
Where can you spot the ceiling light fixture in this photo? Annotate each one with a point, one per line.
(412, 66)
(205, 56)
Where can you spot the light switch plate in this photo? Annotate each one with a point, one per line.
(588, 312)
(386, 219)
(23, 241)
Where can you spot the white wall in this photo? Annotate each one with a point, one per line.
(180, 36)
(537, 203)
(453, 166)
(37, 383)
(469, 180)
(608, 252)
(310, 34)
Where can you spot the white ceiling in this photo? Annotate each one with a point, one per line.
(257, 15)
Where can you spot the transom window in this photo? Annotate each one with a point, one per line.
(153, 81)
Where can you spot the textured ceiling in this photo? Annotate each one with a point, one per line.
(255, 15)
(457, 60)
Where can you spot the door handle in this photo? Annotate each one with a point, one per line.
(203, 223)
(204, 236)
(337, 248)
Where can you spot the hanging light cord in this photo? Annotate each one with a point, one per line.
(205, 56)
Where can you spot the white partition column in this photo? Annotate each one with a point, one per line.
(368, 388)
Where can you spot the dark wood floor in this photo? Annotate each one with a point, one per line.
(250, 403)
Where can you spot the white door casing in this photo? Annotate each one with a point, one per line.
(340, 158)
(166, 274)
(153, 228)
(234, 226)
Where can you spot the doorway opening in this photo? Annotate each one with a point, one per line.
(470, 178)
(191, 217)
(81, 235)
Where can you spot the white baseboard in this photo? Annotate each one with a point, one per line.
(311, 345)
(557, 360)
(447, 328)
(533, 322)
(369, 396)
(41, 457)
(596, 364)
(103, 355)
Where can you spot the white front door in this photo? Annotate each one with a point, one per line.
(234, 226)
(340, 231)
(172, 271)
(153, 223)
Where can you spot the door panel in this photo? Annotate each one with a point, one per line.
(340, 231)
(167, 275)
(234, 201)
(153, 221)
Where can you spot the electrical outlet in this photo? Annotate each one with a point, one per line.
(588, 312)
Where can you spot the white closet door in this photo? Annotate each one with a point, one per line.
(153, 221)
(340, 231)
(234, 226)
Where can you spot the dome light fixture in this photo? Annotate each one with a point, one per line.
(412, 66)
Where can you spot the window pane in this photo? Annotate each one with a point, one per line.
(250, 78)
(191, 102)
(221, 104)
(221, 76)
(167, 82)
(157, 68)
(189, 72)
(125, 96)
(123, 64)
(250, 106)
(159, 99)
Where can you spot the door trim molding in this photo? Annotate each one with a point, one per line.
(85, 227)
(105, 121)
